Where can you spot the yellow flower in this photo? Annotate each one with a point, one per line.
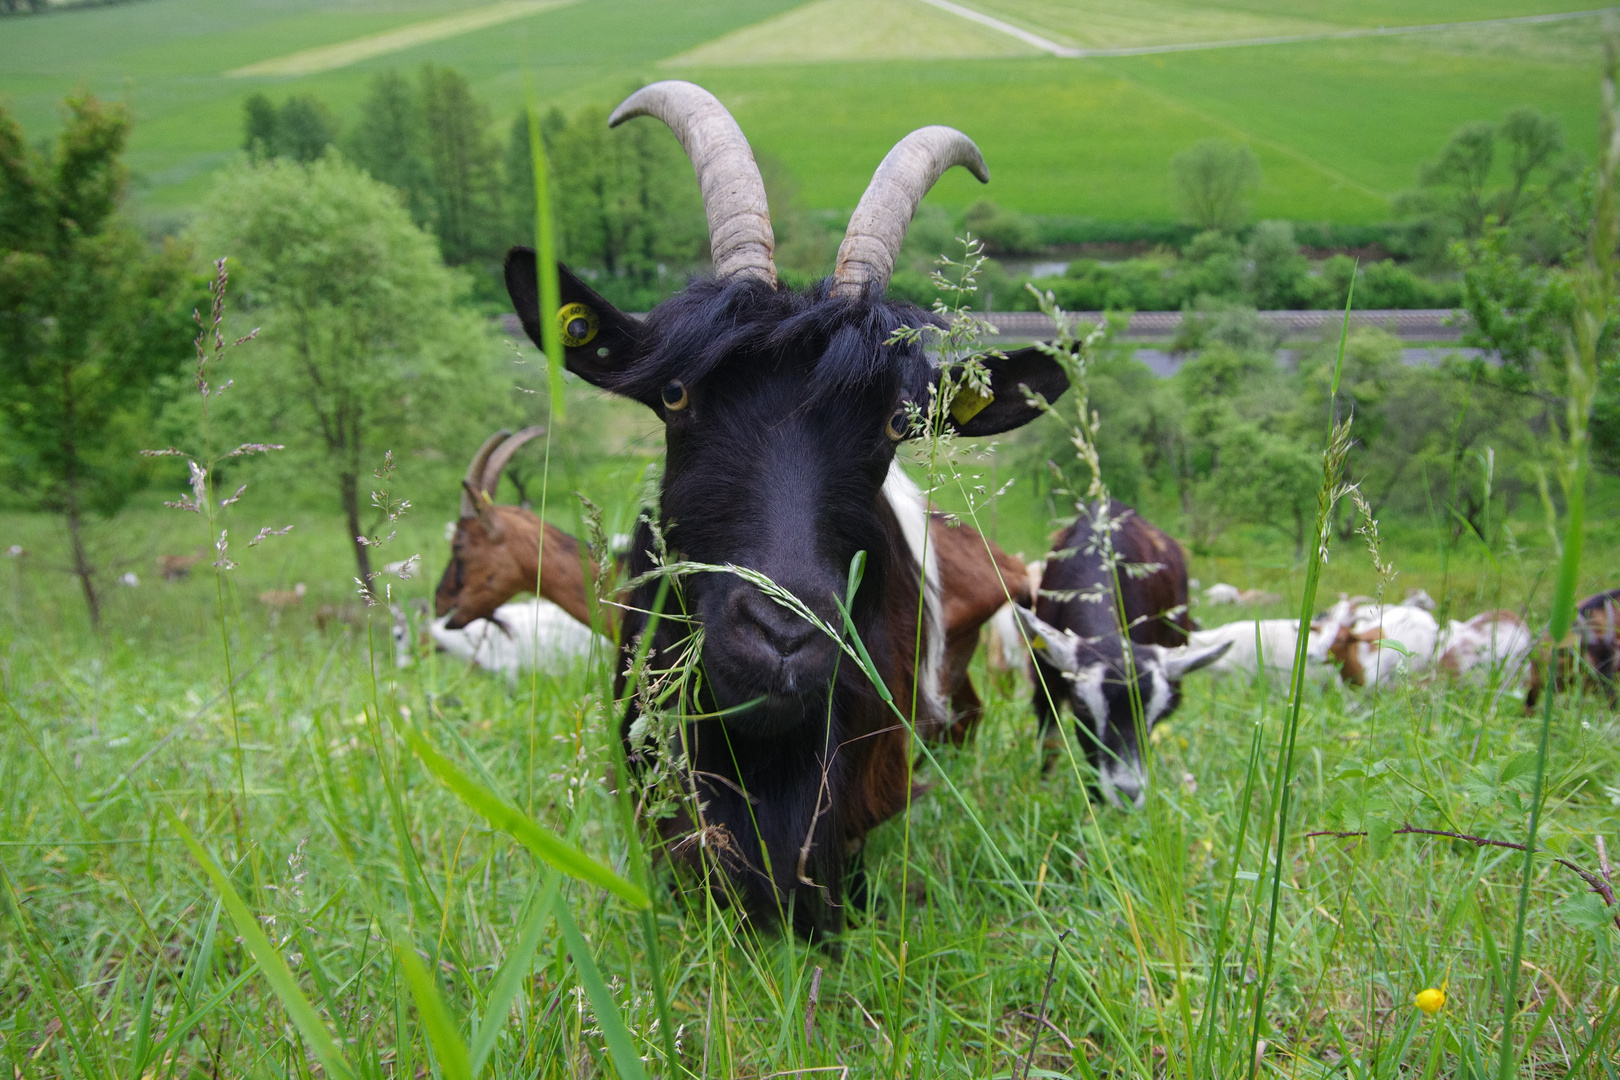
(1431, 1000)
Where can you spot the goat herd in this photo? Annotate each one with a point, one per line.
(782, 413)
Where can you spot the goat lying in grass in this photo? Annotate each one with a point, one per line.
(523, 635)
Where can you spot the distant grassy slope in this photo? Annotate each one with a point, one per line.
(168, 58)
(1339, 125)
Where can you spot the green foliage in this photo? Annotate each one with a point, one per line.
(464, 161)
(94, 321)
(363, 343)
(1509, 174)
(432, 141)
(387, 143)
(1212, 180)
(1004, 232)
(1278, 274)
(628, 213)
(1215, 270)
(301, 129)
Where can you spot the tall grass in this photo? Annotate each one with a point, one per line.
(315, 863)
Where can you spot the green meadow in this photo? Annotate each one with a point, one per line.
(1016, 927)
(1339, 125)
(252, 827)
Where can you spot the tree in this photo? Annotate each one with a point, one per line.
(1456, 197)
(363, 343)
(1211, 179)
(387, 142)
(301, 129)
(90, 323)
(464, 162)
(624, 201)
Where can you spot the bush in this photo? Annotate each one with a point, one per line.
(1004, 232)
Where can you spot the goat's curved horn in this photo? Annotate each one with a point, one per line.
(503, 455)
(878, 226)
(740, 237)
(474, 481)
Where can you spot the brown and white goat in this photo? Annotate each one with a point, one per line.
(495, 552)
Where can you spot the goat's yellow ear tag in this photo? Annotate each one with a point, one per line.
(577, 324)
(969, 403)
(1039, 642)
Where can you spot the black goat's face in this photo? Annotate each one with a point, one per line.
(765, 473)
(1101, 695)
(782, 413)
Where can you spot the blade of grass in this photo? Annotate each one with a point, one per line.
(510, 980)
(143, 1027)
(274, 968)
(434, 1015)
(1333, 455)
(1595, 291)
(545, 257)
(620, 1045)
(545, 845)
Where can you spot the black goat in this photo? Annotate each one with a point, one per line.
(782, 413)
(1080, 657)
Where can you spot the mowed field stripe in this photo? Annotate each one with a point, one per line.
(1070, 52)
(344, 53)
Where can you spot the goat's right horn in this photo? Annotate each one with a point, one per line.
(740, 237)
(503, 455)
(474, 481)
(878, 226)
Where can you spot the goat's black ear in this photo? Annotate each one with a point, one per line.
(973, 416)
(598, 339)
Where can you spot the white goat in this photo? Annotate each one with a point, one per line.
(527, 634)
(1270, 641)
(1383, 642)
(1491, 645)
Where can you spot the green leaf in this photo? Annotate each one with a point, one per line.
(544, 844)
(276, 973)
(1522, 765)
(1584, 911)
(620, 1045)
(545, 258)
(1379, 835)
(510, 980)
(431, 1011)
(143, 1027)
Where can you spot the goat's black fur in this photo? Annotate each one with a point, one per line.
(778, 409)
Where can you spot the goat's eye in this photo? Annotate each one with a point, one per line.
(675, 396)
(899, 425)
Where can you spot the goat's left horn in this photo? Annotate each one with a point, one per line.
(740, 237)
(503, 456)
(878, 226)
(474, 481)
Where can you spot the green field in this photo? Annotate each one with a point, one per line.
(338, 840)
(1339, 125)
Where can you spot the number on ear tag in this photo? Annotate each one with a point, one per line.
(577, 324)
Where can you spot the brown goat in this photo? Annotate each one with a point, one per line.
(496, 550)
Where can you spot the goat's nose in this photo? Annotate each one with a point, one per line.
(781, 629)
